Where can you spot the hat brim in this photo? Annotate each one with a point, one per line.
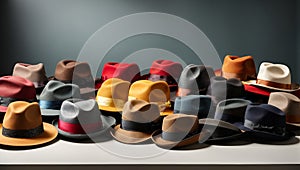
(129, 137)
(295, 87)
(50, 112)
(107, 123)
(159, 141)
(167, 112)
(48, 135)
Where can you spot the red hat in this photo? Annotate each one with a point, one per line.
(14, 88)
(166, 68)
(125, 71)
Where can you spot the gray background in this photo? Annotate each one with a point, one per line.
(48, 31)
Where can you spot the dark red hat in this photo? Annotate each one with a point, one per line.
(166, 68)
(14, 88)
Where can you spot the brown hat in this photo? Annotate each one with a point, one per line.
(157, 92)
(139, 120)
(288, 103)
(113, 94)
(242, 68)
(178, 130)
(23, 126)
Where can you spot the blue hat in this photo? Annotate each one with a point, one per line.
(264, 122)
(198, 105)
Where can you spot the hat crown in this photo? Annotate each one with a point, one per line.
(277, 73)
(17, 87)
(114, 88)
(140, 111)
(180, 123)
(22, 115)
(56, 90)
(166, 68)
(124, 71)
(34, 73)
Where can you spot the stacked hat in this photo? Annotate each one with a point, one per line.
(80, 119)
(23, 126)
(139, 120)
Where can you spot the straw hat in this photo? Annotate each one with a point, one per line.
(23, 126)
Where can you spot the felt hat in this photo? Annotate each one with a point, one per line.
(139, 120)
(125, 71)
(14, 88)
(178, 130)
(194, 79)
(80, 119)
(113, 94)
(275, 77)
(242, 68)
(198, 105)
(265, 122)
(53, 95)
(23, 126)
(154, 92)
(288, 103)
(34, 72)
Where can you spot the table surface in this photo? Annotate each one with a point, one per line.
(105, 150)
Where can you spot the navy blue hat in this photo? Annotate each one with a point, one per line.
(198, 105)
(265, 122)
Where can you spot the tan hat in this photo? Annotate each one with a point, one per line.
(23, 126)
(178, 130)
(157, 92)
(113, 94)
(139, 120)
(274, 77)
(288, 103)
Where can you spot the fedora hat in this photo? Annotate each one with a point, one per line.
(288, 103)
(194, 79)
(23, 126)
(79, 73)
(80, 119)
(198, 105)
(221, 88)
(242, 68)
(156, 92)
(275, 77)
(34, 72)
(125, 71)
(139, 120)
(14, 88)
(178, 130)
(265, 122)
(228, 112)
(53, 95)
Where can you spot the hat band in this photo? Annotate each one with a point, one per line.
(44, 104)
(79, 128)
(141, 127)
(5, 101)
(178, 136)
(274, 84)
(29, 133)
(293, 118)
(105, 101)
(270, 129)
(241, 76)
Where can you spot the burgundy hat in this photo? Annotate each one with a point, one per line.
(166, 68)
(14, 88)
(125, 71)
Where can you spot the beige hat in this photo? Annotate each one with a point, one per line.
(274, 77)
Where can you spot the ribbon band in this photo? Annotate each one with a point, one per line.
(274, 84)
(270, 129)
(44, 104)
(141, 127)
(79, 128)
(30, 133)
(105, 101)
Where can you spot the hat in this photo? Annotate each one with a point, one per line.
(33, 72)
(157, 92)
(53, 95)
(125, 71)
(198, 105)
(221, 88)
(79, 73)
(288, 103)
(242, 68)
(228, 112)
(275, 77)
(265, 123)
(139, 120)
(23, 126)
(194, 79)
(14, 88)
(81, 119)
(178, 130)
(113, 94)
(166, 68)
